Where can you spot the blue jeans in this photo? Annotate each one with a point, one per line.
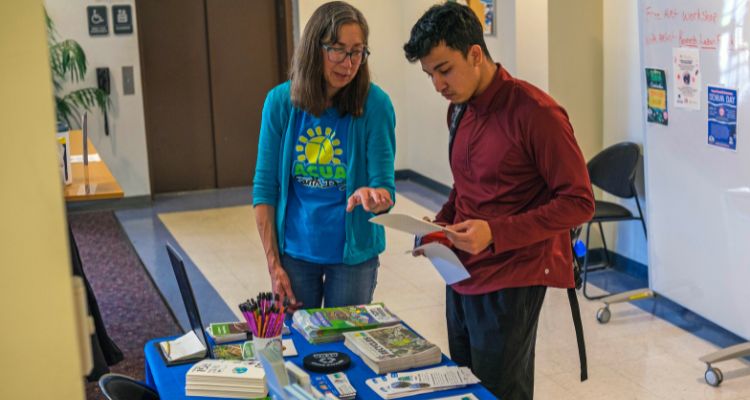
(339, 284)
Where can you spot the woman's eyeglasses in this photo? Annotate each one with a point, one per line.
(339, 54)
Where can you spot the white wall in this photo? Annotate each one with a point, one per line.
(623, 112)
(124, 150)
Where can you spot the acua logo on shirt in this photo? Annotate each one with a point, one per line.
(318, 164)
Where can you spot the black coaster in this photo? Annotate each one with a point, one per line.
(327, 362)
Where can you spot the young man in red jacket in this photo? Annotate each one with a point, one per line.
(520, 185)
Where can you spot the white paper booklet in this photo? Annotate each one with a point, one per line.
(445, 262)
(467, 396)
(406, 223)
(184, 347)
(227, 372)
(402, 384)
(288, 348)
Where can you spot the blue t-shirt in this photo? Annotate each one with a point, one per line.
(316, 208)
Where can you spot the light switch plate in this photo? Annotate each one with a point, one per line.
(128, 81)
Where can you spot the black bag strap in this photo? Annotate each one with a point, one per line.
(456, 115)
(576, 311)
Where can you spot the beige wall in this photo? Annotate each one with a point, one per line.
(575, 59)
(35, 289)
(576, 72)
(532, 42)
(623, 107)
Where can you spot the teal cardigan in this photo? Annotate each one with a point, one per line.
(371, 148)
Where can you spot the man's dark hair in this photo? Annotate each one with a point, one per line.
(451, 23)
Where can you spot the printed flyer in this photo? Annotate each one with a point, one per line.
(687, 78)
(722, 117)
(656, 90)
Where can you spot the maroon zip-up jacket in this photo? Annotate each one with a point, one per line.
(517, 165)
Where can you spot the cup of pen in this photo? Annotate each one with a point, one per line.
(265, 319)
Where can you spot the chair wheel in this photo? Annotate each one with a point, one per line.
(713, 376)
(603, 315)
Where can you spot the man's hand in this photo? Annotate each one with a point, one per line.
(472, 236)
(374, 200)
(281, 284)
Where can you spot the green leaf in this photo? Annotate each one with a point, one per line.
(68, 58)
(71, 106)
(68, 63)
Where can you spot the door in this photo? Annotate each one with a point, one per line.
(210, 63)
(243, 54)
(176, 94)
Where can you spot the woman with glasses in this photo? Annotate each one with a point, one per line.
(325, 166)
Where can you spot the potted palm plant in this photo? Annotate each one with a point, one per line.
(68, 63)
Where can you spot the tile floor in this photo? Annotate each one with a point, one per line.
(638, 355)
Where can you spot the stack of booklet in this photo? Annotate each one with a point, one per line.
(322, 325)
(226, 378)
(393, 348)
(226, 332)
(402, 384)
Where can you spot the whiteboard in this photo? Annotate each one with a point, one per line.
(698, 194)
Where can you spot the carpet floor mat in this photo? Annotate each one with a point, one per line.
(131, 307)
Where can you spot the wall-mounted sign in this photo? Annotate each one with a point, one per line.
(122, 19)
(722, 117)
(687, 78)
(97, 17)
(656, 90)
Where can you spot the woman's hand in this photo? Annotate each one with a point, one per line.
(281, 284)
(374, 200)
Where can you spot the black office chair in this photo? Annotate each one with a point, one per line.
(612, 170)
(121, 387)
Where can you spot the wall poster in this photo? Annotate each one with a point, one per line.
(656, 90)
(687, 78)
(722, 117)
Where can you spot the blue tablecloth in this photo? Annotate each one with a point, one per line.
(170, 381)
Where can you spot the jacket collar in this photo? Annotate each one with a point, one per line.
(500, 82)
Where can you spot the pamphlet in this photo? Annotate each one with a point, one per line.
(320, 325)
(445, 262)
(687, 78)
(184, 348)
(407, 223)
(401, 384)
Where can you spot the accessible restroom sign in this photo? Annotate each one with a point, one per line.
(97, 19)
(122, 18)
